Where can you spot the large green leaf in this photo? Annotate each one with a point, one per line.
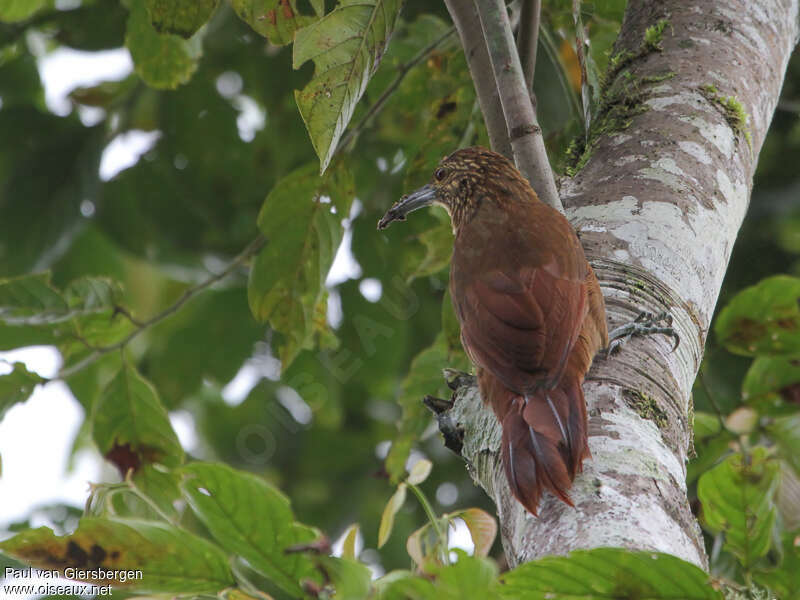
(763, 319)
(162, 60)
(19, 10)
(786, 432)
(608, 574)
(738, 499)
(130, 426)
(171, 561)
(301, 219)
(252, 519)
(784, 581)
(16, 386)
(276, 20)
(346, 47)
(181, 17)
(770, 380)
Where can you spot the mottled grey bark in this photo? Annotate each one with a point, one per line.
(657, 205)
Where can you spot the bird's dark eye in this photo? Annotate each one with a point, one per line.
(440, 173)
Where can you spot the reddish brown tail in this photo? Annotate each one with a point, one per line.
(544, 439)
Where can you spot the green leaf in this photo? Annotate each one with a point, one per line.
(301, 219)
(130, 426)
(763, 319)
(19, 10)
(346, 46)
(351, 579)
(31, 300)
(784, 582)
(608, 573)
(786, 432)
(438, 243)
(16, 386)
(394, 504)
(249, 517)
(349, 543)
(770, 383)
(181, 17)
(172, 561)
(160, 486)
(276, 20)
(404, 585)
(469, 577)
(705, 425)
(163, 61)
(738, 499)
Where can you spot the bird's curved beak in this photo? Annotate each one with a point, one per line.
(424, 196)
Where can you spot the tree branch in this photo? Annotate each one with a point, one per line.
(142, 326)
(657, 204)
(465, 18)
(528, 38)
(524, 132)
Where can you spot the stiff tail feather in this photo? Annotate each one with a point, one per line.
(544, 440)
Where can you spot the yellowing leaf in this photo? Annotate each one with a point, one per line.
(349, 544)
(387, 519)
(420, 471)
(346, 46)
(482, 527)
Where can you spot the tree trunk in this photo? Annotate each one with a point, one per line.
(657, 203)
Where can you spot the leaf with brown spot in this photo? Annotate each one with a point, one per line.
(276, 20)
(763, 319)
(171, 560)
(131, 427)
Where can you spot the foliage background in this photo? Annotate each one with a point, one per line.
(353, 370)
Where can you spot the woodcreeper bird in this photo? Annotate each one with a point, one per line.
(531, 312)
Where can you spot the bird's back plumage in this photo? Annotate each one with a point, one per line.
(532, 318)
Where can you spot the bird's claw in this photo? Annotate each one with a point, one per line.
(644, 324)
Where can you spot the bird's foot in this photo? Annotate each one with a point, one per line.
(645, 324)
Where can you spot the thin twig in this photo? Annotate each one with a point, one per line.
(465, 18)
(524, 132)
(101, 351)
(528, 38)
(402, 71)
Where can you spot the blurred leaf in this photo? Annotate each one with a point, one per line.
(482, 527)
(172, 560)
(30, 300)
(19, 10)
(419, 472)
(130, 426)
(763, 319)
(349, 543)
(163, 61)
(249, 517)
(404, 585)
(17, 386)
(786, 432)
(276, 20)
(770, 380)
(438, 244)
(181, 17)
(301, 222)
(784, 582)
(346, 46)
(394, 504)
(469, 577)
(705, 425)
(350, 579)
(160, 486)
(738, 499)
(608, 573)
(742, 420)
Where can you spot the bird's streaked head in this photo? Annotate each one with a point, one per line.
(454, 185)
